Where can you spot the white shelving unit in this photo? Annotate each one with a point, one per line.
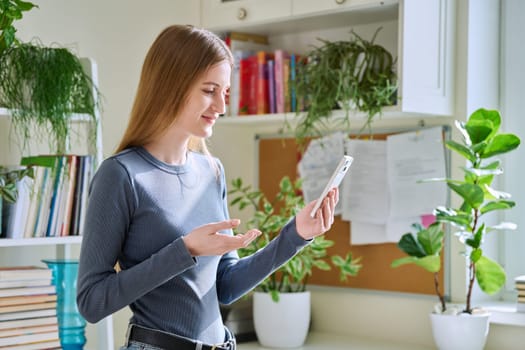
(63, 244)
(418, 33)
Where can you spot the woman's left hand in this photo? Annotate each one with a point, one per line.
(309, 227)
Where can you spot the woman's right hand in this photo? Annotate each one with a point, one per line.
(207, 239)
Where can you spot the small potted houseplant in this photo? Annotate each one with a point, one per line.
(290, 280)
(354, 74)
(466, 326)
(9, 178)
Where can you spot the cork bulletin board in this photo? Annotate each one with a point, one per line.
(278, 156)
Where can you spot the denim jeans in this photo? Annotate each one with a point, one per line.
(139, 346)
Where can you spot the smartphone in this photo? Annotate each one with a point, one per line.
(335, 180)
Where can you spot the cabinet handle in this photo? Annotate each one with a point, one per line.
(242, 13)
(339, 2)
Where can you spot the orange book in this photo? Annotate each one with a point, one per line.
(262, 88)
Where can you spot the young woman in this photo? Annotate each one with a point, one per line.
(158, 209)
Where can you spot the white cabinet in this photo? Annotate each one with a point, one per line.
(426, 47)
(418, 33)
(220, 13)
(315, 7)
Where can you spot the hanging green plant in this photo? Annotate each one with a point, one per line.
(44, 87)
(354, 74)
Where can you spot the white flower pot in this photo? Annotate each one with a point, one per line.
(283, 324)
(460, 332)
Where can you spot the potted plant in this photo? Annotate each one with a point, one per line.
(353, 74)
(290, 280)
(11, 10)
(42, 86)
(9, 179)
(481, 141)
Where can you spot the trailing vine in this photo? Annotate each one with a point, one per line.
(43, 87)
(354, 74)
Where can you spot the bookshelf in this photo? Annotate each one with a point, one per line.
(63, 245)
(419, 34)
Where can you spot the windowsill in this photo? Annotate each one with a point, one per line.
(505, 313)
(325, 341)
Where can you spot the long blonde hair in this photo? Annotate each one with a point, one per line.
(175, 60)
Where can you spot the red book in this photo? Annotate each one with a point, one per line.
(262, 92)
(244, 85)
(252, 86)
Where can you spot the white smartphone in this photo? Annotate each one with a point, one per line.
(335, 180)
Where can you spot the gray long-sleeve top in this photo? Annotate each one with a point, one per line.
(139, 209)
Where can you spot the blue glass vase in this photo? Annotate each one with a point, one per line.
(71, 325)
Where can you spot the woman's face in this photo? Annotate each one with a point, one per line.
(206, 101)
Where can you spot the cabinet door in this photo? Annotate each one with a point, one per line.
(309, 7)
(224, 14)
(426, 63)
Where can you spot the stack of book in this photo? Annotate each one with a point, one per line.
(520, 287)
(28, 316)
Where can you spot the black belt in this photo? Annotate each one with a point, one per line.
(168, 341)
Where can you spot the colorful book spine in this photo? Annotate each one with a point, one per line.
(271, 86)
(286, 85)
(262, 100)
(279, 58)
(293, 71)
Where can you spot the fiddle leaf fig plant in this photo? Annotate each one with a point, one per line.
(269, 216)
(481, 142)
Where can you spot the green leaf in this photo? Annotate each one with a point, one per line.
(275, 295)
(489, 275)
(496, 205)
(471, 193)
(410, 246)
(502, 143)
(464, 151)
(322, 265)
(431, 263)
(483, 124)
(403, 261)
(431, 239)
(475, 255)
(496, 194)
(455, 217)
